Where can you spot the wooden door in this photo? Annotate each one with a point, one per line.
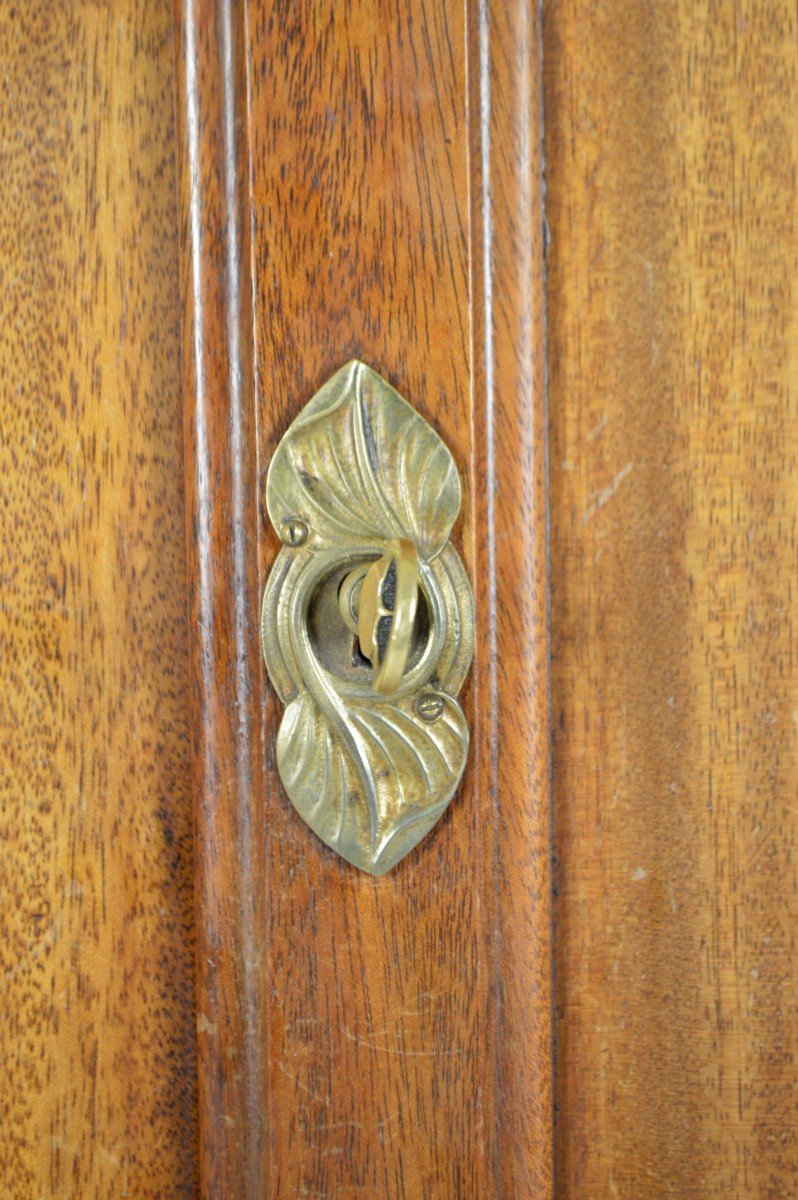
(567, 235)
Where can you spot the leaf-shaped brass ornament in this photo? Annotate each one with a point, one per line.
(358, 472)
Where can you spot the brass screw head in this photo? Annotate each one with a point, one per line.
(293, 532)
(428, 706)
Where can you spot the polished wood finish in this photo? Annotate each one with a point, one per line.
(671, 148)
(384, 1036)
(97, 1026)
(510, 568)
(222, 527)
(364, 180)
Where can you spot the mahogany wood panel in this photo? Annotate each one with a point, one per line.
(672, 150)
(96, 974)
(359, 1036)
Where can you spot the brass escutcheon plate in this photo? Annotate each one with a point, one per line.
(370, 753)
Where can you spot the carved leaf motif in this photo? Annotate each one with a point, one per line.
(360, 464)
(412, 771)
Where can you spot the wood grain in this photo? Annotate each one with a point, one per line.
(390, 1036)
(672, 148)
(409, 1050)
(222, 527)
(97, 1029)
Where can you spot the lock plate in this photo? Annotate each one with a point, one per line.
(369, 758)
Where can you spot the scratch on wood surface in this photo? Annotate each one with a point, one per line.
(597, 429)
(601, 497)
(303, 1087)
(400, 1050)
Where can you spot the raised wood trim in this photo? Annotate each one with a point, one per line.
(222, 531)
(509, 486)
(249, 905)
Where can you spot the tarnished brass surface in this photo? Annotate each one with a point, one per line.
(363, 494)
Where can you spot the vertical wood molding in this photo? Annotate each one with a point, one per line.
(222, 529)
(384, 1036)
(509, 485)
